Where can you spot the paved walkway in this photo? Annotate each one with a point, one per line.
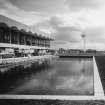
(98, 89)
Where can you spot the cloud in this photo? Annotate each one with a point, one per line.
(56, 26)
(48, 7)
(96, 34)
(28, 18)
(66, 25)
(95, 38)
(69, 35)
(83, 4)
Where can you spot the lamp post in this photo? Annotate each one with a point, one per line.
(84, 41)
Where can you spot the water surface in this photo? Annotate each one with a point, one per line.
(67, 76)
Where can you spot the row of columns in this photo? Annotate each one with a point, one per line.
(21, 38)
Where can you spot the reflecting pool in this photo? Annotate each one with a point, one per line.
(67, 76)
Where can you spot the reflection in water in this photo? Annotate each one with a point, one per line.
(66, 77)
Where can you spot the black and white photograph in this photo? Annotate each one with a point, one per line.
(52, 52)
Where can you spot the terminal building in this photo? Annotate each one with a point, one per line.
(18, 42)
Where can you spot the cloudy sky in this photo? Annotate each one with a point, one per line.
(65, 20)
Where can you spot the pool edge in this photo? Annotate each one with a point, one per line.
(98, 91)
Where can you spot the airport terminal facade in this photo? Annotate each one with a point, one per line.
(19, 42)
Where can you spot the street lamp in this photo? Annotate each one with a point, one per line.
(84, 41)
